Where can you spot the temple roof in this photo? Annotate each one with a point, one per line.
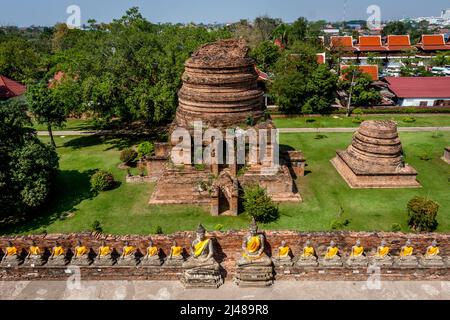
(371, 70)
(10, 88)
(370, 43)
(433, 42)
(342, 42)
(398, 42)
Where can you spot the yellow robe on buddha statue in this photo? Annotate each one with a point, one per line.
(128, 250)
(81, 251)
(432, 251)
(357, 251)
(104, 251)
(284, 252)
(308, 252)
(406, 251)
(253, 246)
(331, 253)
(35, 250)
(199, 247)
(152, 251)
(383, 252)
(11, 251)
(176, 251)
(58, 251)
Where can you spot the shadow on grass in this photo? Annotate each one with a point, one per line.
(111, 142)
(70, 188)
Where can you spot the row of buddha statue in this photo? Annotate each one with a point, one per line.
(201, 269)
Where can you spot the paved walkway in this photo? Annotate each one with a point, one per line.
(282, 130)
(173, 290)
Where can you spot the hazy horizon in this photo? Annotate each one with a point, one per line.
(24, 13)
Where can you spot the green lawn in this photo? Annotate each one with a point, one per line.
(71, 124)
(124, 210)
(343, 121)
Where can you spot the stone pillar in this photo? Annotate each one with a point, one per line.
(215, 202)
(446, 157)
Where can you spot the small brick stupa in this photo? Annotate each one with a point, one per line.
(375, 158)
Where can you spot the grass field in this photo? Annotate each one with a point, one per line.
(124, 210)
(345, 122)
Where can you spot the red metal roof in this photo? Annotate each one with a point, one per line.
(420, 87)
(10, 88)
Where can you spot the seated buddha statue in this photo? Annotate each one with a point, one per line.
(34, 257)
(81, 255)
(382, 256)
(104, 256)
(12, 257)
(284, 256)
(152, 256)
(128, 256)
(432, 257)
(253, 249)
(57, 257)
(332, 257)
(406, 258)
(175, 257)
(254, 268)
(202, 252)
(308, 257)
(357, 255)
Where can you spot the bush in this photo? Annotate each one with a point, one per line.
(97, 226)
(357, 120)
(259, 205)
(145, 149)
(102, 181)
(310, 120)
(396, 227)
(339, 224)
(128, 155)
(158, 230)
(422, 214)
(409, 119)
(218, 227)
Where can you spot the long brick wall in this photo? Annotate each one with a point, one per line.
(229, 249)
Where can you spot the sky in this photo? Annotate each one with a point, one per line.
(48, 12)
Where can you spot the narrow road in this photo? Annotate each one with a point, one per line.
(282, 130)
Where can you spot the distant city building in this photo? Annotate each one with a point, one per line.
(443, 20)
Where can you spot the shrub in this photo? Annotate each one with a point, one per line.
(339, 224)
(395, 227)
(128, 155)
(259, 205)
(145, 149)
(158, 230)
(200, 167)
(250, 121)
(218, 227)
(97, 226)
(310, 120)
(357, 111)
(422, 214)
(409, 119)
(102, 181)
(357, 120)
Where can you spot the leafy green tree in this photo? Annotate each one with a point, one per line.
(300, 84)
(422, 214)
(359, 88)
(266, 55)
(27, 166)
(396, 28)
(441, 59)
(19, 60)
(45, 108)
(259, 205)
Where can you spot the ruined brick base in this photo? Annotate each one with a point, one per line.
(373, 180)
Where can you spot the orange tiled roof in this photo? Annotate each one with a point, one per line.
(371, 43)
(433, 42)
(343, 42)
(371, 70)
(398, 42)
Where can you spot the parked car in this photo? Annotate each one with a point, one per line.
(440, 71)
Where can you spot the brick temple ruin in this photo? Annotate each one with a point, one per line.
(220, 89)
(375, 158)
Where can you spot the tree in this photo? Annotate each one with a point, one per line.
(45, 108)
(27, 166)
(395, 28)
(19, 59)
(359, 88)
(266, 55)
(259, 205)
(422, 214)
(300, 84)
(441, 59)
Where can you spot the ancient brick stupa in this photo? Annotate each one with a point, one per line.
(220, 86)
(375, 158)
(220, 90)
